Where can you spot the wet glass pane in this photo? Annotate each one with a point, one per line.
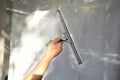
(93, 25)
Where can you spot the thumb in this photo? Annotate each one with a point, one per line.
(56, 40)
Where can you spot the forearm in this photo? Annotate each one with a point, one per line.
(39, 70)
(54, 49)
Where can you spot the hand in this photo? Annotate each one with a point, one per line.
(55, 47)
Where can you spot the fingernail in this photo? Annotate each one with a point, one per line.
(59, 36)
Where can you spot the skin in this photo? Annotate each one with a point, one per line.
(53, 50)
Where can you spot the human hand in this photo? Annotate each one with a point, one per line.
(55, 47)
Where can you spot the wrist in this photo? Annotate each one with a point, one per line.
(48, 56)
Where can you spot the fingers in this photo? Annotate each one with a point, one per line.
(56, 40)
(60, 43)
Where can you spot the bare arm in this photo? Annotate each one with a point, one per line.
(54, 49)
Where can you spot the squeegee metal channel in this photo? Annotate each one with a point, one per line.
(69, 37)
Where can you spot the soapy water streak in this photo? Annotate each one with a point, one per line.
(32, 42)
(107, 57)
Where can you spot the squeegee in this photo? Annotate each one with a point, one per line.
(67, 37)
